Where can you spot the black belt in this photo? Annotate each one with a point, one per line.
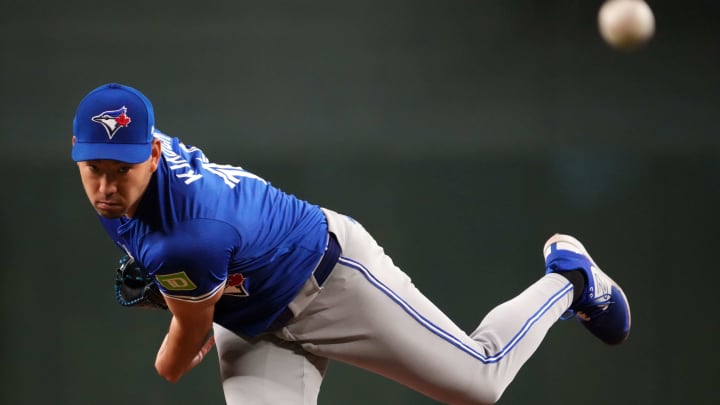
(328, 261)
(321, 273)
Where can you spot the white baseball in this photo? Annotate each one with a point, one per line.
(626, 24)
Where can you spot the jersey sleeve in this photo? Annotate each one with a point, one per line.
(190, 262)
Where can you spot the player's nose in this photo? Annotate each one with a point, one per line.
(107, 186)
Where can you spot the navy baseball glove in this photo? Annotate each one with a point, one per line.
(135, 288)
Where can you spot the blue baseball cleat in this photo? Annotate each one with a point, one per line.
(603, 309)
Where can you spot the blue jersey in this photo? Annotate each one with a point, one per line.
(201, 227)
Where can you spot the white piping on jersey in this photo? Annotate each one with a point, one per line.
(445, 335)
(197, 299)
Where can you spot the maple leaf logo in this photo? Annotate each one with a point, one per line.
(235, 286)
(235, 280)
(123, 120)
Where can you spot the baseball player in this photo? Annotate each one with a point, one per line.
(282, 286)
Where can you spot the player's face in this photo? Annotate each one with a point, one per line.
(115, 188)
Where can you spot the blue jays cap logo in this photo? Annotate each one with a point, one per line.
(113, 120)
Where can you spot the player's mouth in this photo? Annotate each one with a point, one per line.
(109, 208)
(106, 205)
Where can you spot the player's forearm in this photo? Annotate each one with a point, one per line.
(189, 328)
(180, 347)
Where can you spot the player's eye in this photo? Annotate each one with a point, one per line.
(124, 169)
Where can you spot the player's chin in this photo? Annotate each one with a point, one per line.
(109, 211)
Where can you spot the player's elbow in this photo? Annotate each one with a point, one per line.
(167, 373)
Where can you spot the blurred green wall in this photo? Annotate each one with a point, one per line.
(461, 133)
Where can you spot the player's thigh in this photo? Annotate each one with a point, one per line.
(385, 325)
(267, 370)
(370, 314)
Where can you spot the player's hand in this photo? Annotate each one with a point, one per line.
(135, 288)
(206, 347)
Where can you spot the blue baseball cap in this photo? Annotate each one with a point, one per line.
(113, 122)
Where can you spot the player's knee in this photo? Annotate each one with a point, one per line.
(494, 395)
(490, 399)
(478, 396)
(490, 393)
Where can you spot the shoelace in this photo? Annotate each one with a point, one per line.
(598, 307)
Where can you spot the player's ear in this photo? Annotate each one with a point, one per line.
(155, 154)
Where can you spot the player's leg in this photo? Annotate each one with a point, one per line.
(403, 336)
(267, 370)
(370, 314)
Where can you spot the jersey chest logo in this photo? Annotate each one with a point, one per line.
(235, 286)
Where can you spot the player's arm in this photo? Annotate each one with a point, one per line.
(187, 340)
(191, 270)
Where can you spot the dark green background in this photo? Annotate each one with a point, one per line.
(461, 133)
